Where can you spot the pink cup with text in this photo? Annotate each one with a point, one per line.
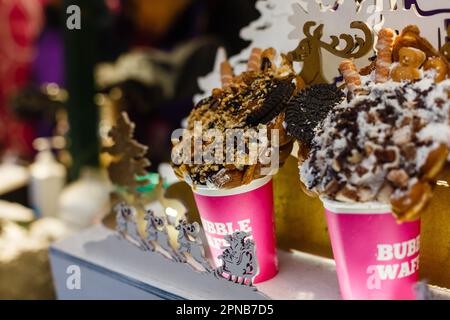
(246, 208)
(376, 257)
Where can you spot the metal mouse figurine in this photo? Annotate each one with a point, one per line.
(194, 247)
(157, 233)
(239, 263)
(127, 225)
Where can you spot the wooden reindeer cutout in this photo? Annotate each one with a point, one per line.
(309, 49)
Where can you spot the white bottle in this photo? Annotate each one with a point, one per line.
(47, 179)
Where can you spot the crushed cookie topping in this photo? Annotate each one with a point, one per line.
(252, 100)
(377, 140)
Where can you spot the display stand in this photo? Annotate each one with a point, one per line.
(113, 269)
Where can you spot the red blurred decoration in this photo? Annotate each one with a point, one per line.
(20, 24)
(114, 6)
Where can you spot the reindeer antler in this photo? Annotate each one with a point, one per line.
(362, 46)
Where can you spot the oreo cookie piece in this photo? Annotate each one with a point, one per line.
(308, 108)
(273, 105)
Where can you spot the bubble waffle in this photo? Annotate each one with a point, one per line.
(408, 205)
(439, 65)
(371, 148)
(254, 99)
(383, 142)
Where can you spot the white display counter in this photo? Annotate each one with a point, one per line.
(110, 268)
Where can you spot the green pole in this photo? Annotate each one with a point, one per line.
(81, 54)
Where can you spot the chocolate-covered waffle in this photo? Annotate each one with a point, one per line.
(382, 143)
(251, 101)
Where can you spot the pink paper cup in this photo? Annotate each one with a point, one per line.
(246, 208)
(376, 257)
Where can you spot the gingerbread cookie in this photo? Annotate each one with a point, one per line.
(410, 60)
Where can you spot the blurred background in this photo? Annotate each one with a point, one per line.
(61, 91)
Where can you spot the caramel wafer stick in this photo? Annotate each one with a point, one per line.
(350, 74)
(384, 47)
(226, 74)
(254, 61)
